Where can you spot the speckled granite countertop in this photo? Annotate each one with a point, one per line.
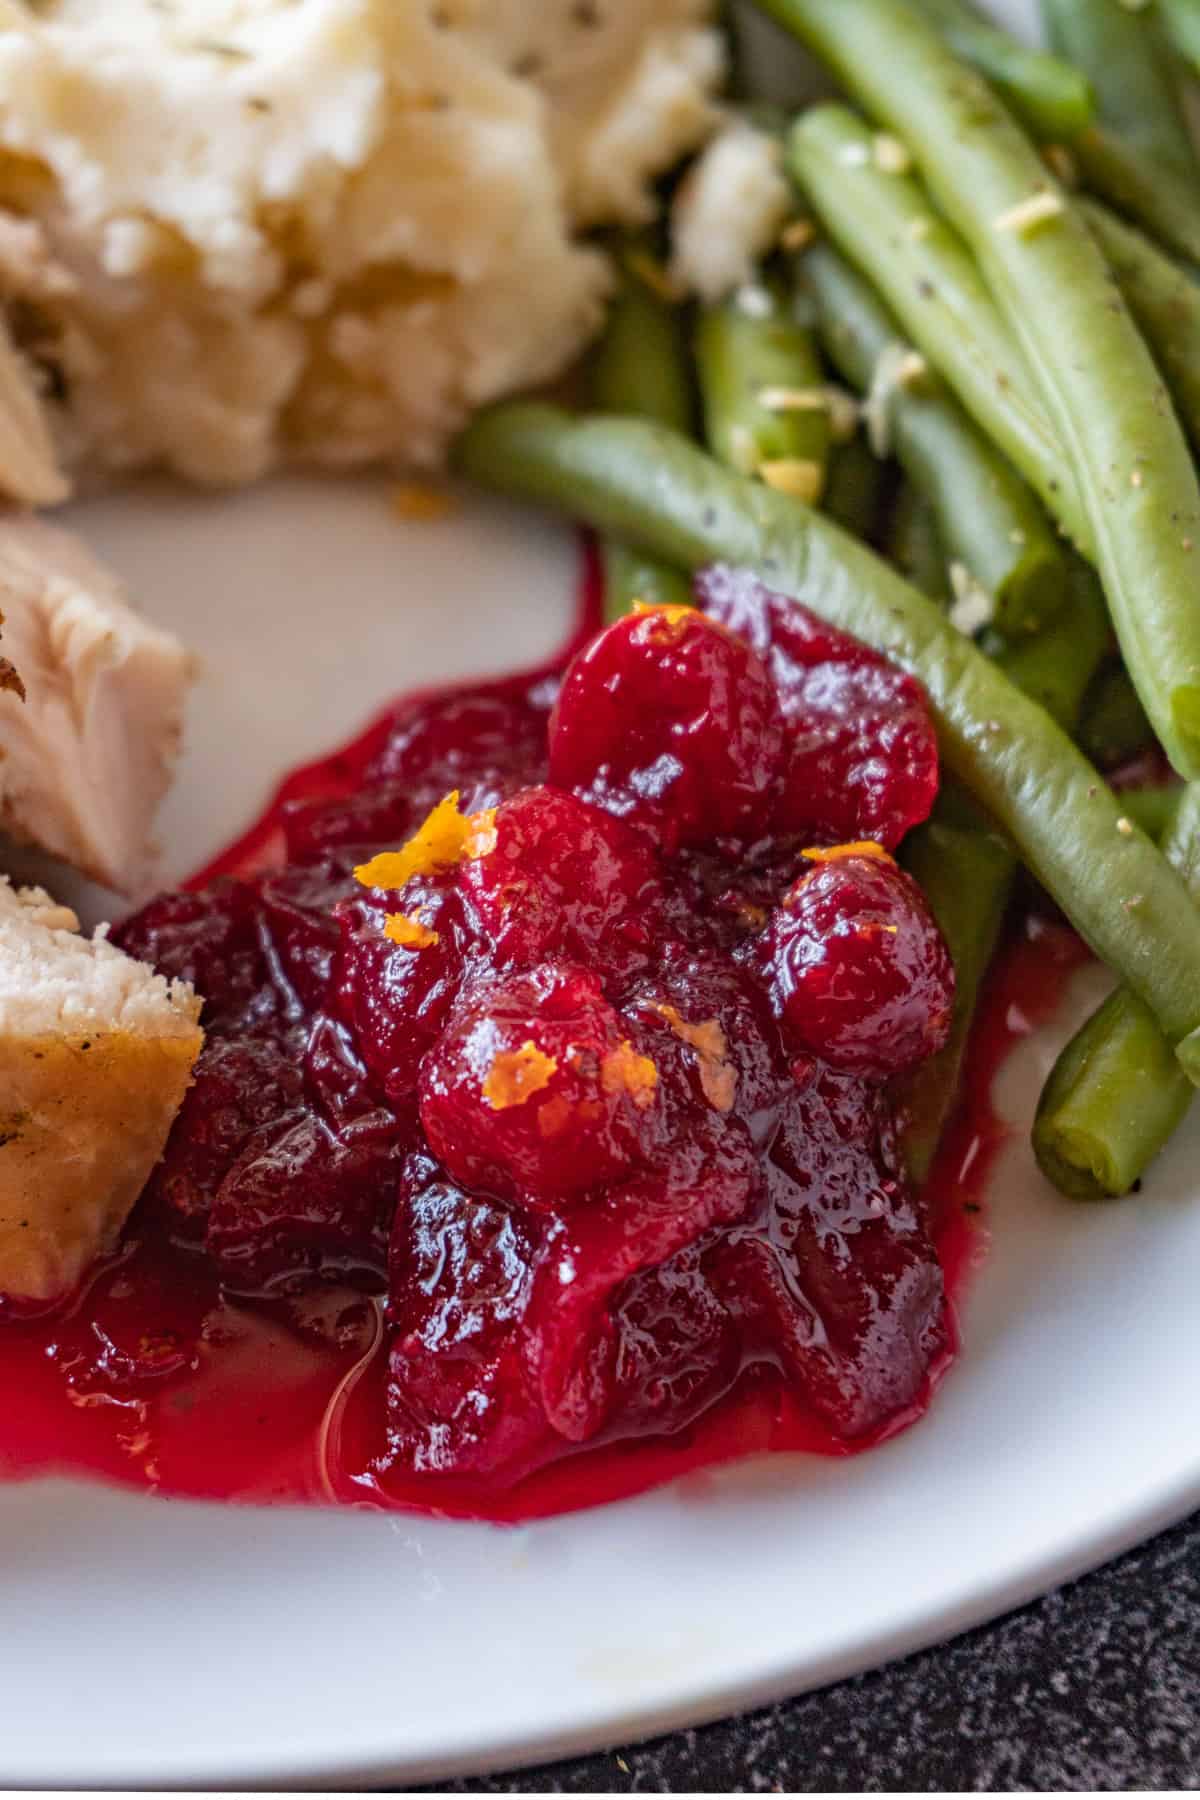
(1097, 1686)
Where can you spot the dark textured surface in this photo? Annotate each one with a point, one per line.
(1097, 1686)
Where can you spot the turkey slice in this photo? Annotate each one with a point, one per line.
(91, 708)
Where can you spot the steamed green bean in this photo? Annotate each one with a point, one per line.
(1091, 366)
(989, 523)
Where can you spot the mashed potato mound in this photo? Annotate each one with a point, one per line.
(235, 233)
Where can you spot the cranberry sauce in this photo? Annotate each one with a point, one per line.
(541, 1146)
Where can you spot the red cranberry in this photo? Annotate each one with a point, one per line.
(859, 972)
(564, 879)
(708, 1026)
(395, 996)
(241, 1084)
(707, 1180)
(301, 1202)
(485, 741)
(209, 938)
(381, 813)
(297, 930)
(863, 753)
(315, 1192)
(836, 1280)
(678, 1348)
(460, 1398)
(670, 720)
(534, 1088)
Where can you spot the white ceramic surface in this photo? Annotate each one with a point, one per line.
(154, 1643)
(176, 1644)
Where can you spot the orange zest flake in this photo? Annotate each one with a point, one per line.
(447, 837)
(626, 1070)
(554, 1116)
(836, 852)
(718, 1077)
(517, 1074)
(667, 620)
(409, 930)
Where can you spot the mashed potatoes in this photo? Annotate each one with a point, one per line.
(240, 232)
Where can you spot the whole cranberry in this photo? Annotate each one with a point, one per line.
(534, 1089)
(861, 748)
(564, 879)
(392, 993)
(858, 971)
(668, 719)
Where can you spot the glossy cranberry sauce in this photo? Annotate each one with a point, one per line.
(541, 1146)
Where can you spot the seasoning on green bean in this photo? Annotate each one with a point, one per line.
(640, 366)
(763, 391)
(649, 485)
(1125, 55)
(1117, 1093)
(1165, 302)
(884, 222)
(1053, 97)
(1153, 809)
(989, 522)
(1093, 370)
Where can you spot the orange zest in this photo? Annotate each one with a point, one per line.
(836, 852)
(447, 837)
(666, 621)
(718, 1077)
(624, 1070)
(409, 930)
(517, 1074)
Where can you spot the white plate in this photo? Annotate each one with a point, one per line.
(169, 1644)
(187, 1645)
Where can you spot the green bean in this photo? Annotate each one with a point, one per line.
(640, 363)
(1116, 1093)
(1164, 301)
(640, 366)
(1117, 162)
(885, 224)
(967, 872)
(1114, 726)
(1183, 25)
(1131, 67)
(914, 545)
(630, 576)
(1093, 370)
(1052, 97)
(1056, 667)
(988, 521)
(855, 487)
(762, 387)
(1153, 809)
(1142, 190)
(650, 486)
